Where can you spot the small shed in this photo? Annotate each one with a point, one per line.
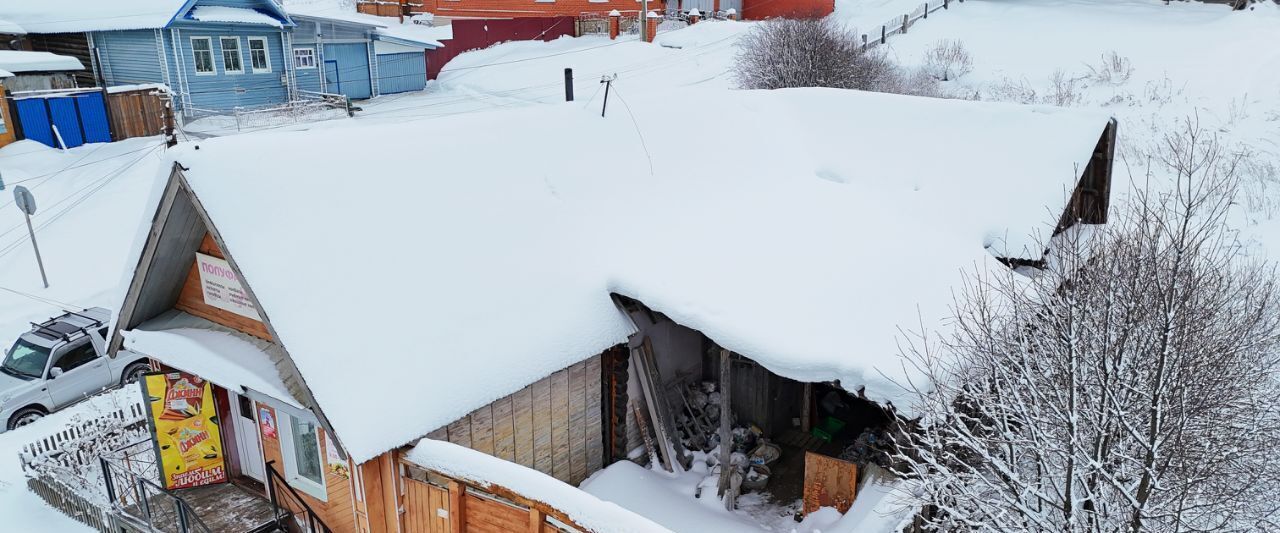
(38, 71)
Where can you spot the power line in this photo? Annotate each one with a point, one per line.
(99, 183)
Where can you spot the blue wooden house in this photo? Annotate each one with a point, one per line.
(217, 55)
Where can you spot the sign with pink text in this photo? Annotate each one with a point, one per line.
(222, 288)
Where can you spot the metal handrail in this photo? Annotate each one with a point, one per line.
(188, 520)
(314, 523)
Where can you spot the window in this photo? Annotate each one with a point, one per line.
(259, 55)
(303, 461)
(304, 58)
(231, 55)
(76, 357)
(25, 360)
(202, 50)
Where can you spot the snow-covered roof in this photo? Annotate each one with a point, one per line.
(805, 229)
(475, 467)
(232, 14)
(57, 16)
(19, 61)
(388, 28)
(221, 355)
(11, 28)
(5, 74)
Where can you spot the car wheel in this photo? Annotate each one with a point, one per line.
(133, 373)
(25, 416)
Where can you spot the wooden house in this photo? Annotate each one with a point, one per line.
(215, 55)
(458, 348)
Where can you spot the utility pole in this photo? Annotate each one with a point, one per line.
(608, 82)
(644, 23)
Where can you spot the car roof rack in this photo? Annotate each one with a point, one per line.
(69, 331)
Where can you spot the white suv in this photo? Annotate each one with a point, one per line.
(58, 363)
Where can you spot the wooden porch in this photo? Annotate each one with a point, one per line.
(225, 507)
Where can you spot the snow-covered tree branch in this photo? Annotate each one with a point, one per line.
(1131, 386)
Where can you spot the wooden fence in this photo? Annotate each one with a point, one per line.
(65, 499)
(900, 25)
(65, 448)
(139, 113)
(75, 449)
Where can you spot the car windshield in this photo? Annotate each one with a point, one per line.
(25, 360)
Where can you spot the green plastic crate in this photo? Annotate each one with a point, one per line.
(828, 429)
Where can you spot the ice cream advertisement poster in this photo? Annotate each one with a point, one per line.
(184, 426)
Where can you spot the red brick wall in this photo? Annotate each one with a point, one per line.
(529, 8)
(763, 9)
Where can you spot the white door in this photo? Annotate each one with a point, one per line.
(248, 442)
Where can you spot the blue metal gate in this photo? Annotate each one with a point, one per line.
(402, 72)
(346, 70)
(79, 118)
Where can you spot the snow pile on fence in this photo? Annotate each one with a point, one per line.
(485, 470)
(803, 230)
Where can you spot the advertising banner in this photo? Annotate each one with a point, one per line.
(222, 288)
(184, 427)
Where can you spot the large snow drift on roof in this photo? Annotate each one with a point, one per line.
(800, 228)
(586, 510)
(58, 16)
(18, 61)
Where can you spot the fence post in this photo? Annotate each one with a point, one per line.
(945, 4)
(926, 10)
(883, 34)
(184, 525)
(906, 19)
(864, 40)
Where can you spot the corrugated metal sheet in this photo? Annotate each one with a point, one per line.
(80, 119)
(34, 118)
(93, 118)
(403, 72)
(346, 69)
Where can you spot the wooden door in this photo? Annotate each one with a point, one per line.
(426, 508)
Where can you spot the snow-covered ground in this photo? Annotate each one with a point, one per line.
(1187, 60)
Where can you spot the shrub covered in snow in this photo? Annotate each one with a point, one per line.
(1134, 385)
(1114, 69)
(786, 53)
(947, 60)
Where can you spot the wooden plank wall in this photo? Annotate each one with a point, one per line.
(337, 511)
(141, 113)
(552, 426)
(8, 135)
(191, 299)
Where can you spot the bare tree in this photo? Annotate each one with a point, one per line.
(817, 52)
(1132, 386)
(947, 60)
